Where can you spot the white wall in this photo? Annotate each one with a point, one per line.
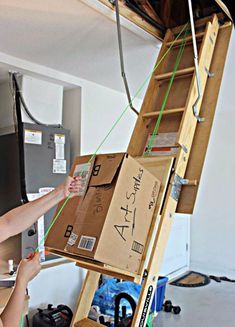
(56, 285)
(6, 109)
(176, 258)
(43, 99)
(101, 107)
(213, 222)
(72, 118)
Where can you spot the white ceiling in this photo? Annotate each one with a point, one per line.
(69, 36)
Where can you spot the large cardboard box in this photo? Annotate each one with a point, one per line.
(112, 220)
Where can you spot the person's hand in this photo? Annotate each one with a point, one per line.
(70, 185)
(28, 269)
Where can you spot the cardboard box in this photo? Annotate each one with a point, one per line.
(63, 227)
(111, 222)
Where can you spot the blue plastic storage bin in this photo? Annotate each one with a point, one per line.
(159, 295)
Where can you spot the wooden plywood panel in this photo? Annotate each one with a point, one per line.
(201, 138)
(96, 266)
(11, 249)
(87, 323)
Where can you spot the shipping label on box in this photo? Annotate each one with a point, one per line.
(83, 171)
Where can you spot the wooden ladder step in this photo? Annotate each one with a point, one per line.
(188, 39)
(179, 73)
(155, 114)
(87, 323)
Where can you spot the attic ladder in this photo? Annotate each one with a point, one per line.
(186, 131)
(178, 117)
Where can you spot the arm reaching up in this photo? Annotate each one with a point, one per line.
(20, 218)
(28, 269)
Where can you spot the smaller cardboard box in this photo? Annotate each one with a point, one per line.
(63, 227)
(112, 220)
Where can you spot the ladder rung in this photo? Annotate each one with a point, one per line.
(87, 323)
(188, 38)
(154, 114)
(181, 72)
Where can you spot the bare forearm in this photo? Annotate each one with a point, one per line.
(12, 313)
(18, 219)
(24, 216)
(27, 270)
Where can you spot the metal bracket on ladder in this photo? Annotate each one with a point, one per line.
(176, 187)
(177, 184)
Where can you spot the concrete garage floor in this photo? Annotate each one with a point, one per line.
(209, 306)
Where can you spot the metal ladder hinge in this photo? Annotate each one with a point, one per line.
(177, 186)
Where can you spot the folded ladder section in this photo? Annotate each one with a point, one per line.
(178, 117)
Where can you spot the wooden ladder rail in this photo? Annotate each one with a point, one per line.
(185, 138)
(85, 299)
